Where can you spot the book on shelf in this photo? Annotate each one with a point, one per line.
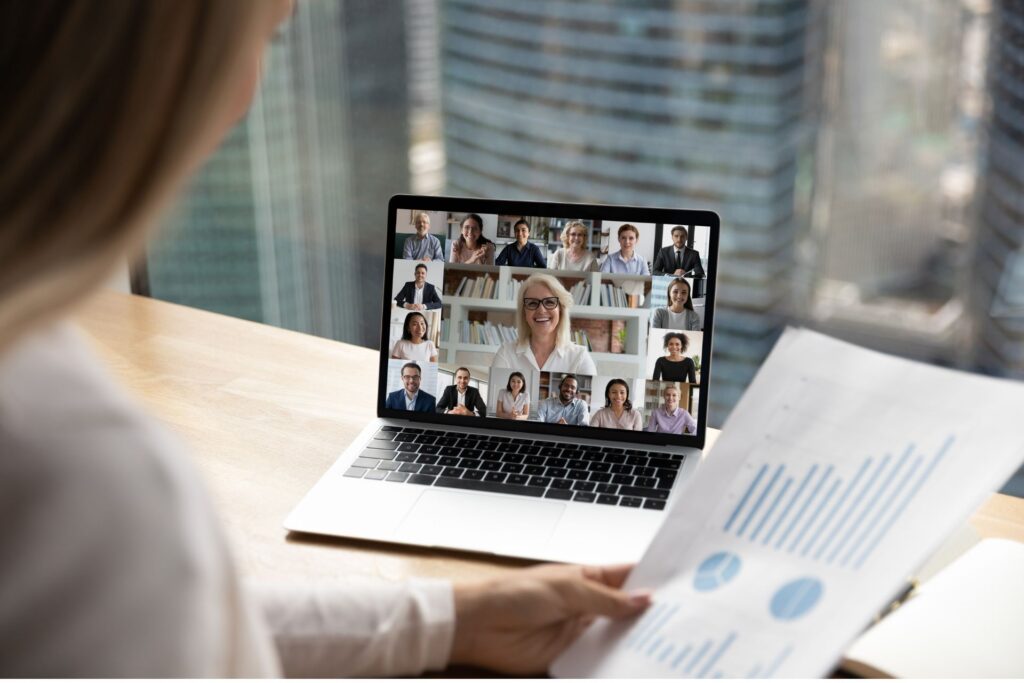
(487, 333)
(611, 295)
(580, 337)
(482, 287)
(580, 293)
(513, 289)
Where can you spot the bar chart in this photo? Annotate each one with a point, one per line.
(832, 512)
(685, 650)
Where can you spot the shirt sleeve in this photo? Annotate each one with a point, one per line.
(538, 257)
(585, 365)
(606, 267)
(438, 254)
(407, 250)
(359, 629)
(657, 370)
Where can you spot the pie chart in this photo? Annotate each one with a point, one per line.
(796, 598)
(716, 571)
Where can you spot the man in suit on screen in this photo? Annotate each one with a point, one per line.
(418, 295)
(678, 259)
(411, 397)
(462, 399)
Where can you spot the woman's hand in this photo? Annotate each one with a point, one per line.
(519, 623)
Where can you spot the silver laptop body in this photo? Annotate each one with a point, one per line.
(616, 483)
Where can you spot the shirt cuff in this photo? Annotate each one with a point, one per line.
(360, 628)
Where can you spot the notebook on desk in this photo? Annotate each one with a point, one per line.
(543, 380)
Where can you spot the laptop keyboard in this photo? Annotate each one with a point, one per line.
(523, 467)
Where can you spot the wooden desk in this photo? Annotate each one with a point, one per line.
(266, 411)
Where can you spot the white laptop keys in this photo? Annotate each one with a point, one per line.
(543, 383)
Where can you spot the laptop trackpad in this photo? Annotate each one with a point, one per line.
(499, 524)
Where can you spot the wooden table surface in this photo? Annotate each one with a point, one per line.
(266, 411)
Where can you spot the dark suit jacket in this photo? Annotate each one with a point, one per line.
(450, 399)
(424, 401)
(408, 294)
(665, 262)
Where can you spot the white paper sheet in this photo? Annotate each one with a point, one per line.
(837, 475)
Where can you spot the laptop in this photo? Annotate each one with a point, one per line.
(543, 380)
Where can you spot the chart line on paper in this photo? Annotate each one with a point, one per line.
(760, 499)
(789, 505)
(839, 503)
(873, 506)
(868, 485)
(746, 496)
(824, 501)
(898, 513)
(803, 509)
(771, 508)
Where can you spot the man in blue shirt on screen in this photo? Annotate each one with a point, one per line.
(411, 398)
(565, 408)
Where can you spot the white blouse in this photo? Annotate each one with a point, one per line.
(406, 350)
(115, 565)
(510, 405)
(572, 358)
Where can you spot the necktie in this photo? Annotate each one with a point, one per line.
(679, 258)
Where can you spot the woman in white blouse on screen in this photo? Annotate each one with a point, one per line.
(514, 400)
(114, 562)
(574, 255)
(544, 339)
(414, 344)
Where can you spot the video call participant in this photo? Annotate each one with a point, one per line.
(678, 259)
(574, 255)
(514, 400)
(460, 398)
(522, 252)
(679, 314)
(414, 344)
(411, 398)
(542, 322)
(626, 260)
(418, 295)
(674, 366)
(422, 246)
(472, 246)
(565, 408)
(618, 411)
(669, 418)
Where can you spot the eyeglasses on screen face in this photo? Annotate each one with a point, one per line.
(549, 303)
(410, 376)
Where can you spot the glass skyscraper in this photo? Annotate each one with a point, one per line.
(660, 103)
(285, 224)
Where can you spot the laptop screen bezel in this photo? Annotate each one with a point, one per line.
(604, 212)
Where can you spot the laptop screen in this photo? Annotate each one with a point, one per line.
(571, 319)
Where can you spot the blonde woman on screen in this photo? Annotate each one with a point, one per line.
(544, 342)
(114, 560)
(574, 255)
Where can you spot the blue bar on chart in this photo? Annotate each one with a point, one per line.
(803, 511)
(789, 506)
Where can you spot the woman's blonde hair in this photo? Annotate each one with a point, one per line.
(569, 228)
(562, 336)
(105, 108)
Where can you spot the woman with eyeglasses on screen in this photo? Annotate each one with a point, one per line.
(574, 255)
(114, 561)
(514, 400)
(542, 321)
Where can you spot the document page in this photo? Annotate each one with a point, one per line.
(837, 475)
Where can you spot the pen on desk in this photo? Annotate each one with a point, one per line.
(901, 597)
